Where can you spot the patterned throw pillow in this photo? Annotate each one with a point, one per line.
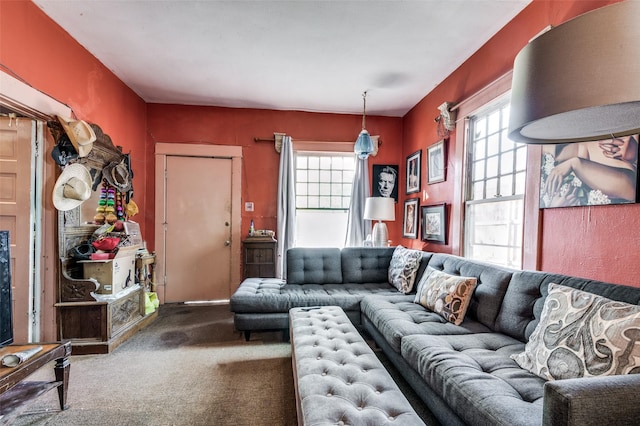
(582, 334)
(403, 268)
(445, 294)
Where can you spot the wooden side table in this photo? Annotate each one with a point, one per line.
(259, 257)
(15, 392)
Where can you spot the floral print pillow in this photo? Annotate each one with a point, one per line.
(581, 334)
(403, 268)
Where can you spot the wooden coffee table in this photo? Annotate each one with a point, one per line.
(16, 392)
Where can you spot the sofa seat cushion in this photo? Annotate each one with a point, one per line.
(476, 377)
(265, 295)
(398, 316)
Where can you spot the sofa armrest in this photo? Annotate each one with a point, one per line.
(592, 401)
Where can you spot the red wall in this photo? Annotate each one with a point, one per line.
(236, 126)
(593, 242)
(36, 50)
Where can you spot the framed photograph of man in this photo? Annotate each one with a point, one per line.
(413, 172)
(410, 223)
(589, 173)
(434, 223)
(436, 160)
(385, 181)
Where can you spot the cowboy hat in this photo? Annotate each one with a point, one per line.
(72, 188)
(80, 133)
(118, 176)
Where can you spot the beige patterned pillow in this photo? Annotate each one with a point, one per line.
(445, 294)
(403, 268)
(582, 334)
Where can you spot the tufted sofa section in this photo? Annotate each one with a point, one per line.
(315, 277)
(339, 380)
(465, 375)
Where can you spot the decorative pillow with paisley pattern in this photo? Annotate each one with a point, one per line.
(403, 268)
(446, 294)
(582, 334)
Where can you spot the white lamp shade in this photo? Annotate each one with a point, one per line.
(579, 81)
(380, 208)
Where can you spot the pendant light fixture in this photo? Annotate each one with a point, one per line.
(364, 145)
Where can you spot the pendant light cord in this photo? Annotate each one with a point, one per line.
(364, 108)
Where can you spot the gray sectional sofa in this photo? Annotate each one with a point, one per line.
(463, 373)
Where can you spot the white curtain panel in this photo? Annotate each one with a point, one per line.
(357, 227)
(286, 206)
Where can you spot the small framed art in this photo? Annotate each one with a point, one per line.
(410, 223)
(436, 160)
(385, 181)
(413, 172)
(434, 223)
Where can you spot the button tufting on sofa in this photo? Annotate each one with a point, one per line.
(359, 397)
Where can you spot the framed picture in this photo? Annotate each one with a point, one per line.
(410, 223)
(434, 223)
(385, 181)
(413, 172)
(609, 174)
(436, 160)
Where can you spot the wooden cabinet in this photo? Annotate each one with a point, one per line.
(260, 257)
(94, 323)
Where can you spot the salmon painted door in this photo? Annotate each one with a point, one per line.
(197, 229)
(15, 207)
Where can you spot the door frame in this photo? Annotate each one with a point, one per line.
(164, 150)
(40, 107)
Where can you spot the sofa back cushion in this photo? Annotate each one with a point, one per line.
(522, 305)
(492, 282)
(365, 264)
(307, 265)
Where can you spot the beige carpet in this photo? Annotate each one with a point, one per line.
(189, 367)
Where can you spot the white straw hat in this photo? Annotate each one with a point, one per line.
(72, 188)
(80, 133)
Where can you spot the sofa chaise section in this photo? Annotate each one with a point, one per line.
(315, 277)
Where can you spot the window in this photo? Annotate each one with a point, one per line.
(496, 173)
(323, 195)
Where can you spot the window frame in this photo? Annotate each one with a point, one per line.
(532, 223)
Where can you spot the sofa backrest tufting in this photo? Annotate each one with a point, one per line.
(314, 265)
(490, 289)
(522, 305)
(366, 264)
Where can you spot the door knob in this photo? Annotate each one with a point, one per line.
(227, 243)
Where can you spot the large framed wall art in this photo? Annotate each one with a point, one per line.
(589, 173)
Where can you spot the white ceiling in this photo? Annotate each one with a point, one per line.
(289, 55)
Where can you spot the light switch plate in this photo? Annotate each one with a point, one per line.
(248, 206)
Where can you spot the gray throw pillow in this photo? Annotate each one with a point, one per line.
(582, 334)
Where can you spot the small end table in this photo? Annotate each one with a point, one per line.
(15, 392)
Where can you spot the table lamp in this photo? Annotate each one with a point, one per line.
(380, 208)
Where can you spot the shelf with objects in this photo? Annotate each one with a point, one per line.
(101, 301)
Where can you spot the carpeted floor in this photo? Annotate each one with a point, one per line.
(189, 367)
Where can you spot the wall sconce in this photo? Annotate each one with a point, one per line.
(446, 120)
(380, 208)
(579, 81)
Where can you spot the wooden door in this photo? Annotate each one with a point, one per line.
(198, 229)
(15, 207)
